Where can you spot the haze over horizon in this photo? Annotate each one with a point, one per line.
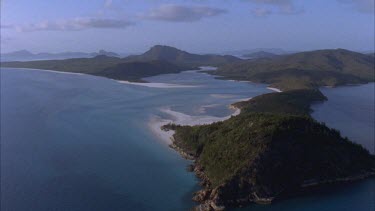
(198, 26)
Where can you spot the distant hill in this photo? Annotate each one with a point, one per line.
(158, 60)
(134, 71)
(105, 66)
(76, 65)
(305, 70)
(105, 53)
(277, 51)
(25, 55)
(259, 55)
(177, 56)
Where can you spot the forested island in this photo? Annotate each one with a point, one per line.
(272, 149)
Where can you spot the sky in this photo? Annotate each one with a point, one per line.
(200, 26)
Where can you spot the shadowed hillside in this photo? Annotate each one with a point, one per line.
(305, 70)
(177, 56)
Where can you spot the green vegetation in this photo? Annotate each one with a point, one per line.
(260, 54)
(305, 70)
(158, 60)
(134, 71)
(80, 65)
(110, 67)
(295, 102)
(271, 149)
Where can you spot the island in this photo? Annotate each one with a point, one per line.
(272, 149)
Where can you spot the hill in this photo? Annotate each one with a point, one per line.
(135, 71)
(304, 70)
(77, 65)
(25, 55)
(177, 56)
(264, 154)
(157, 60)
(260, 55)
(105, 66)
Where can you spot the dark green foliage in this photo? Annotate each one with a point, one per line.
(272, 148)
(305, 70)
(290, 102)
(133, 71)
(110, 67)
(272, 151)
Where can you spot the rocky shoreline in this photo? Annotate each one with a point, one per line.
(243, 188)
(209, 198)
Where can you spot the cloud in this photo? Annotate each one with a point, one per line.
(290, 10)
(177, 13)
(107, 3)
(283, 7)
(364, 6)
(261, 12)
(6, 26)
(5, 39)
(273, 2)
(75, 25)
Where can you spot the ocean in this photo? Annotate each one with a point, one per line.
(78, 142)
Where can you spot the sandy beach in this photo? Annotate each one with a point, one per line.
(51, 71)
(274, 89)
(180, 118)
(157, 85)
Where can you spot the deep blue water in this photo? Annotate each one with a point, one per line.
(77, 142)
(352, 110)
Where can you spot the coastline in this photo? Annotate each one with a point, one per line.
(51, 71)
(156, 85)
(207, 196)
(146, 84)
(274, 89)
(180, 118)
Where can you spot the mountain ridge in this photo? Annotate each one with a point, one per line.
(310, 69)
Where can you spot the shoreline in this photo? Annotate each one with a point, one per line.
(51, 71)
(156, 85)
(146, 84)
(179, 118)
(274, 89)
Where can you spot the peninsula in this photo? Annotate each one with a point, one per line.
(271, 150)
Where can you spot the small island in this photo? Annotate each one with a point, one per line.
(272, 149)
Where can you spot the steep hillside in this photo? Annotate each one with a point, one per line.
(305, 70)
(177, 56)
(134, 71)
(272, 149)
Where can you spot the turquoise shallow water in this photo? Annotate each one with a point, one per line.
(78, 142)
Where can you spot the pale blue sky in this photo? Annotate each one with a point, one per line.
(200, 26)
